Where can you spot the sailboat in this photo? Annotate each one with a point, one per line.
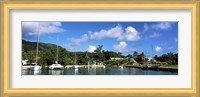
(56, 65)
(37, 67)
(75, 66)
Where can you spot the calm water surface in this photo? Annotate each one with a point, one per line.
(96, 71)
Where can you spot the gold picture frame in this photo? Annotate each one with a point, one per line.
(7, 91)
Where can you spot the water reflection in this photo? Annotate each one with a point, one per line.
(96, 71)
(121, 71)
(31, 72)
(25, 72)
(76, 71)
(92, 71)
(56, 72)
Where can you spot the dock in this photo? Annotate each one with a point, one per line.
(157, 68)
(70, 66)
(26, 67)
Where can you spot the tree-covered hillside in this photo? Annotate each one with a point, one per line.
(48, 53)
(27, 46)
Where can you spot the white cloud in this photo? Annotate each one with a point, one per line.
(132, 34)
(146, 28)
(162, 26)
(157, 26)
(91, 48)
(158, 48)
(83, 38)
(133, 49)
(115, 32)
(49, 37)
(31, 29)
(74, 42)
(154, 35)
(121, 47)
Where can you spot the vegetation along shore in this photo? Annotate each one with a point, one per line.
(100, 57)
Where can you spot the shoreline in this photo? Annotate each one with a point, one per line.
(155, 68)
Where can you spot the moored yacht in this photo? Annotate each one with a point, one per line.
(36, 66)
(56, 65)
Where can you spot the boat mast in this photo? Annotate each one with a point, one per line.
(38, 35)
(152, 52)
(57, 48)
(75, 56)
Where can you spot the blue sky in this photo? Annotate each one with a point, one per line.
(152, 38)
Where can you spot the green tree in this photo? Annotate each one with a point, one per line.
(99, 54)
(135, 54)
(141, 58)
(170, 58)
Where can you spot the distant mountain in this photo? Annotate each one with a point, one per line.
(29, 46)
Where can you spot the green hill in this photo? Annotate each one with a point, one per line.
(47, 53)
(28, 46)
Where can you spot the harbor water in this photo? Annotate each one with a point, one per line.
(96, 71)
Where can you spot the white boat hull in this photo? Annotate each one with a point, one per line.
(56, 66)
(36, 68)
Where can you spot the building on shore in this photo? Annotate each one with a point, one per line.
(24, 62)
(112, 58)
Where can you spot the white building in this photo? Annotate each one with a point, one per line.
(116, 58)
(24, 62)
